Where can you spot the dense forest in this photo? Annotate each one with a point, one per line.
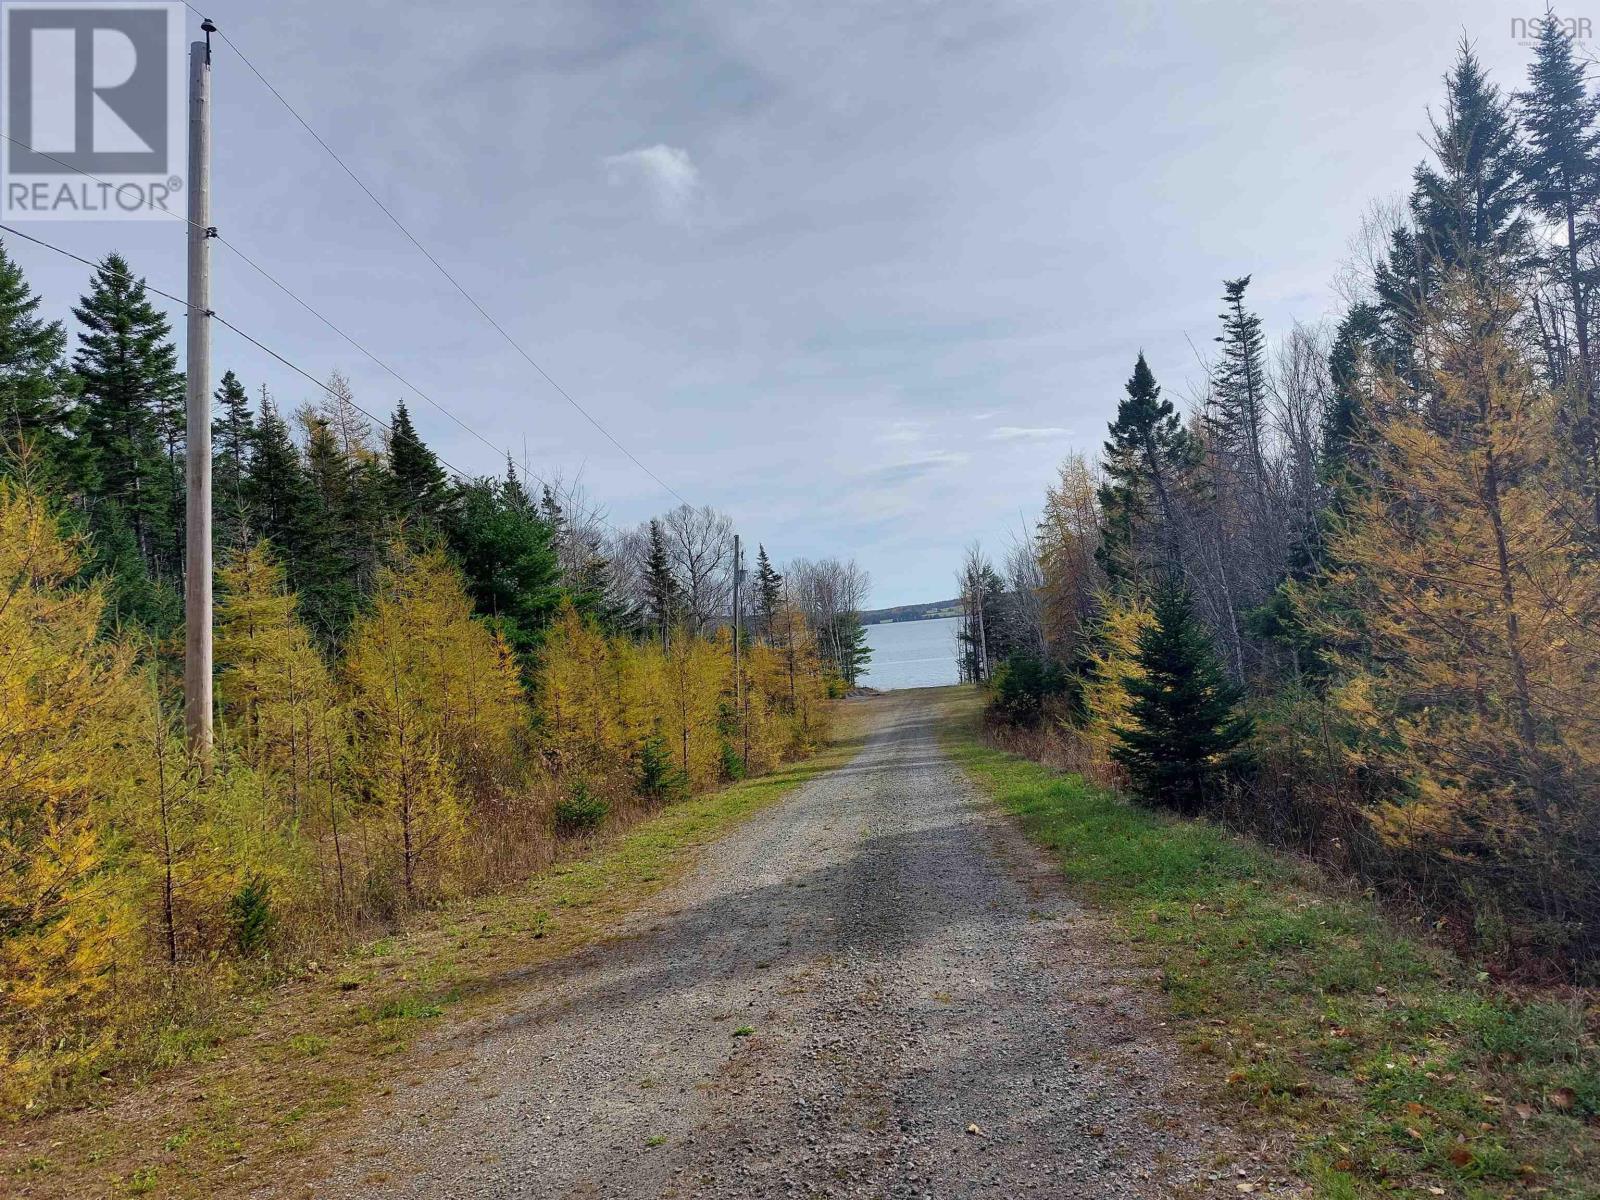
(424, 682)
(1348, 599)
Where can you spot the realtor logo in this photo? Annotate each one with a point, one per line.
(91, 109)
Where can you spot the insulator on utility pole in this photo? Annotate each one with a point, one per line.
(197, 703)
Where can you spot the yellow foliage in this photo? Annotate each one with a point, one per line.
(583, 697)
(1069, 535)
(273, 690)
(1463, 598)
(600, 698)
(1112, 662)
(128, 875)
(67, 701)
(435, 705)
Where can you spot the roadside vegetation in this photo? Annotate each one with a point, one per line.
(243, 1093)
(427, 688)
(1346, 600)
(1402, 1070)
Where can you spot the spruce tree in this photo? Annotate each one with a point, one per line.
(1146, 458)
(1468, 207)
(332, 581)
(1237, 414)
(419, 489)
(1403, 285)
(1353, 350)
(506, 555)
(33, 404)
(131, 411)
(276, 494)
(662, 597)
(1185, 727)
(1562, 163)
(232, 431)
(769, 590)
(854, 651)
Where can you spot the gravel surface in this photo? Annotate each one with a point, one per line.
(875, 988)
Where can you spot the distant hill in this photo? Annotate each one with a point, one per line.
(912, 612)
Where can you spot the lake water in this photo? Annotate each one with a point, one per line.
(908, 654)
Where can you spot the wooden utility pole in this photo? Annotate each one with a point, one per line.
(738, 682)
(197, 579)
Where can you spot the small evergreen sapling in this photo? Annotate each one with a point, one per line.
(1185, 730)
(660, 780)
(580, 810)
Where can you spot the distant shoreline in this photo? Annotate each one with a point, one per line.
(912, 612)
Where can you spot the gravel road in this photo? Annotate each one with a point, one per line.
(875, 988)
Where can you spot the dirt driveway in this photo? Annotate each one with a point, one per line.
(875, 988)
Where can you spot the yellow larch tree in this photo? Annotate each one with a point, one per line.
(1463, 600)
(67, 704)
(273, 690)
(436, 712)
(1111, 663)
(581, 698)
(694, 676)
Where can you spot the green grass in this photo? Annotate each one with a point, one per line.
(1399, 1068)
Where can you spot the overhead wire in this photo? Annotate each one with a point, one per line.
(465, 476)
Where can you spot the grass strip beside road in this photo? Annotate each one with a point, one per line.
(1403, 1071)
(271, 1074)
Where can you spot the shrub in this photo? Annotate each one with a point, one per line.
(580, 810)
(1022, 685)
(732, 762)
(252, 915)
(660, 779)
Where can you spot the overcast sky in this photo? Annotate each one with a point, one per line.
(858, 273)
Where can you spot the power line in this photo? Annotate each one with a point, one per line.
(281, 286)
(441, 268)
(265, 349)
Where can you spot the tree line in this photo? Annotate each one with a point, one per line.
(424, 682)
(1350, 597)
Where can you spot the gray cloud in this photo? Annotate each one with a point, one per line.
(915, 223)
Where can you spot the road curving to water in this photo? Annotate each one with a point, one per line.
(875, 988)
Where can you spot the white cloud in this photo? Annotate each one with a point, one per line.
(666, 172)
(902, 433)
(1020, 433)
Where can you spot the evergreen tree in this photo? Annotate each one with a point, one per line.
(506, 555)
(1146, 458)
(133, 600)
(232, 431)
(1353, 350)
(276, 494)
(347, 512)
(662, 597)
(1185, 728)
(33, 405)
(769, 590)
(1562, 164)
(419, 490)
(1403, 283)
(1468, 207)
(131, 413)
(1237, 414)
(660, 779)
(854, 652)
